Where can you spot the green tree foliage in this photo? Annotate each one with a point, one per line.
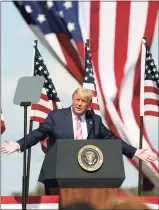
(39, 191)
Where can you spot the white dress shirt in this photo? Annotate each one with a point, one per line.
(83, 124)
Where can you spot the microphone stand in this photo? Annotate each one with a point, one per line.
(24, 178)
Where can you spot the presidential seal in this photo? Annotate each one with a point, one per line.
(90, 158)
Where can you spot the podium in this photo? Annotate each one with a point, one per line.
(84, 170)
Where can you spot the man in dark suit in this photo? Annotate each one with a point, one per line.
(74, 123)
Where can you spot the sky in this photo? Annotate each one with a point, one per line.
(16, 57)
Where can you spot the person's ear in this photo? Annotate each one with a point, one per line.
(90, 102)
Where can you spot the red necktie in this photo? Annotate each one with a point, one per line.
(78, 129)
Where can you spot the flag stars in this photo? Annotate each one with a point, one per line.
(68, 4)
(40, 58)
(28, 9)
(50, 4)
(40, 68)
(71, 26)
(47, 90)
(154, 69)
(87, 69)
(41, 18)
(87, 61)
(86, 78)
(61, 14)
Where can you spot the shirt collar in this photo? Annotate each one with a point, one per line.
(74, 115)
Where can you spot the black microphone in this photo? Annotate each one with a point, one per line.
(90, 114)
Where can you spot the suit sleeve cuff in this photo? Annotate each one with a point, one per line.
(19, 150)
(135, 154)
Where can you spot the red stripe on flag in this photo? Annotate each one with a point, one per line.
(151, 89)
(37, 119)
(151, 19)
(121, 40)
(40, 108)
(94, 93)
(44, 97)
(95, 106)
(73, 62)
(54, 105)
(151, 102)
(80, 46)
(152, 113)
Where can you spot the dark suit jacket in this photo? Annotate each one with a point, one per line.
(59, 125)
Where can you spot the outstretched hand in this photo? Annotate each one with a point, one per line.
(9, 148)
(145, 155)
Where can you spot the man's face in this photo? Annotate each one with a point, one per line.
(80, 104)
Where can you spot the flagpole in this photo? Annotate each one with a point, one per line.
(30, 127)
(142, 76)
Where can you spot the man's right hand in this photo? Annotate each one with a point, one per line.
(9, 148)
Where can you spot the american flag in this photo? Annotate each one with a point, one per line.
(115, 30)
(151, 86)
(49, 99)
(89, 80)
(3, 127)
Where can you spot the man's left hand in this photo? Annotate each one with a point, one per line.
(145, 155)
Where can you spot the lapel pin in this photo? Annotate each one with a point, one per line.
(90, 122)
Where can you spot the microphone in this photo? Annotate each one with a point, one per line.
(90, 114)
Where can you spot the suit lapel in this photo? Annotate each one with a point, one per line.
(69, 124)
(89, 126)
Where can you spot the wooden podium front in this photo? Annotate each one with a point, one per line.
(96, 197)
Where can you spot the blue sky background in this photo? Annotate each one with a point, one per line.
(16, 57)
